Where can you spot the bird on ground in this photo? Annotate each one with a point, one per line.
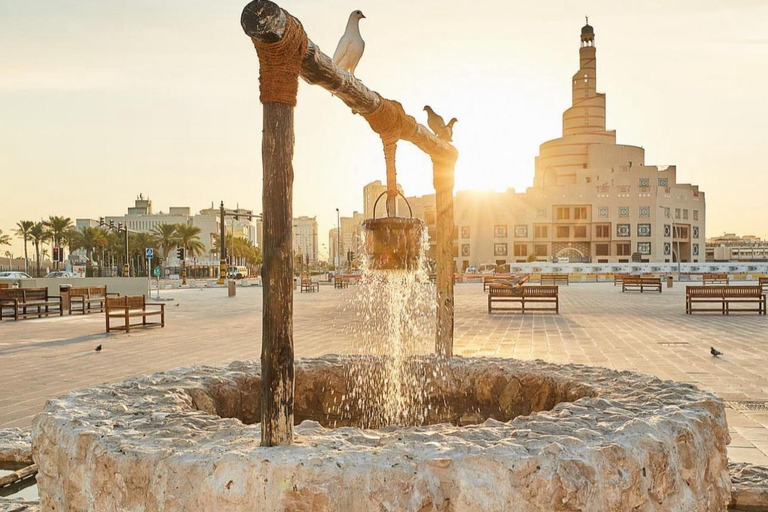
(98, 349)
(351, 45)
(437, 125)
(177, 304)
(715, 352)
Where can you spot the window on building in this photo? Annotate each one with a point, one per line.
(540, 249)
(695, 214)
(603, 231)
(685, 214)
(563, 231)
(580, 231)
(677, 213)
(540, 232)
(624, 249)
(521, 250)
(563, 213)
(580, 213)
(602, 249)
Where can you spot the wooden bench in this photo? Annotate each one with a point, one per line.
(723, 297)
(132, 306)
(641, 284)
(524, 295)
(340, 282)
(88, 296)
(762, 282)
(715, 278)
(307, 285)
(555, 279)
(23, 300)
(5, 286)
(619, 278)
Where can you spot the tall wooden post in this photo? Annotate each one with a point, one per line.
(277, 277)
(280, 42)
(443, 181)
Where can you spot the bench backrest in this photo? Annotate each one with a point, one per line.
(35, 293)
(723, 291)
(4, 286)
(78, 291)
(715, 275)
(742, 291)
(97, 291)
(132, 301)
(540, 291)
(762, 281)
(305, 281)
(12, 293)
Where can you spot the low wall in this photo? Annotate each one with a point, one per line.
(121, 285)
(753, 269)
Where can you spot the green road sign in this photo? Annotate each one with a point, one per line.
(156, 272)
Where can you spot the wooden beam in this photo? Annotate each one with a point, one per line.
(265, 21)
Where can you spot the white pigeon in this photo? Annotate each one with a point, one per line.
(351, 45)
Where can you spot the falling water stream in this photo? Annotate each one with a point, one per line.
(394, 330)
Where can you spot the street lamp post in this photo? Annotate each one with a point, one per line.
(338, 240)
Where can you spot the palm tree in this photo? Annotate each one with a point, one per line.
(142, 241)
(89, 239)
(38, 235)
(57, 227)
(188, 237)
(22, 231)
(165, 239)
(4, 239)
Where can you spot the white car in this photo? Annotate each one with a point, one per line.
(62, 274)
(14, 275)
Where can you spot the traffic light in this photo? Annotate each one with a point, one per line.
(101, 222)
(180, 253)
(56, 254)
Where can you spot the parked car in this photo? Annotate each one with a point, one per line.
(237, 272)
(14, 275)
(62, 274)
(471, 270)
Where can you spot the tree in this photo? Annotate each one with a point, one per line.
(165, 239)
(4, 239)
(38, 234)
(188, 237)
(23, 232)
(141, 241)
(89, 239)
(57, 227)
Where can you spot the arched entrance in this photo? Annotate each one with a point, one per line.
(571, 253)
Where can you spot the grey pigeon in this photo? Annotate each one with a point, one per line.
(351, 45)
(438, 126)
(715, 352)
(98, 349)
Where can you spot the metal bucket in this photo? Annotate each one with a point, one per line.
(393, 243)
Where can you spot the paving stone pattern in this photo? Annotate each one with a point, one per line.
(598, 325)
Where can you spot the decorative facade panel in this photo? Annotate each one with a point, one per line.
(500, 231)
(603, 212)
(500, 249)
(643, 230)
(623, 230)
(464, 231)
(521, 231)
(667, 230)
(695, 231)
(663, 182)
(667, 248)
(465, 249)
(644, 248)
(645, 211)
(623, 211)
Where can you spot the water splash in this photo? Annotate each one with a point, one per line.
(395, 327)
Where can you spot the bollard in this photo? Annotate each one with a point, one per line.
(231, 288)
(65, 298)
(670, 280)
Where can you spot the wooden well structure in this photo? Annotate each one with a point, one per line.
(286, 53)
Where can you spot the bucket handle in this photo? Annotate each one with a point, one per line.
(410, 210)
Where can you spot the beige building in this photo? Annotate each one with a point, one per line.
(592, 200)
(349, 241)
(375, 191)
(305, 238)
(730, 247)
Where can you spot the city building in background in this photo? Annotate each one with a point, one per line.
(592, 200)
(730, 247)
(305, 239)
(347, 247)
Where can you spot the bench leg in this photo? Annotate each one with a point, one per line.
(127, 322)
(162, 317)
(107, 315)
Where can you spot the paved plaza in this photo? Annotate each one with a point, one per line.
(598, 325)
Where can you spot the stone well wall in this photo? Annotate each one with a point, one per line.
(186, 440)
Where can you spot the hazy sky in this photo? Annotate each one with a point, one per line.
(103, 100)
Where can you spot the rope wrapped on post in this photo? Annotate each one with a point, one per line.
(280, 64)
(391, 122)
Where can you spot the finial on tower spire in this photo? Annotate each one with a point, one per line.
(587, 18)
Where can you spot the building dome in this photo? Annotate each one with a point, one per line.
(587, 30)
